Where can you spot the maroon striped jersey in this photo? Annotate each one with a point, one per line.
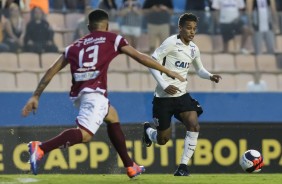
(89, 59)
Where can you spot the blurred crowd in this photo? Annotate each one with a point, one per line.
(25, 26)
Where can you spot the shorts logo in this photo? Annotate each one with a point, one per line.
(156, 121)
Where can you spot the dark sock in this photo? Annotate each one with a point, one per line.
(65, 139)
(117, 138)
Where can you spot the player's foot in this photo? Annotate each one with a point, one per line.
(36, 154)
(135, 170)
(146, 140)
(182, 170)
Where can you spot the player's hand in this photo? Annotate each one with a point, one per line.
(215, 78)
(30, 106)
(171, 89)
(175, 75)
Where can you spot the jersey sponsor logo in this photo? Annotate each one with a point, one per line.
(181, 64)
(94, 41)
(85, 76)
(86, 69)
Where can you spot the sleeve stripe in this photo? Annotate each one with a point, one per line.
(117, 41)
(66, 51)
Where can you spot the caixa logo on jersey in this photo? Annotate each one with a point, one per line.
(182, 64)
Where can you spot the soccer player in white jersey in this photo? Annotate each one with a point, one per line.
(177, 53)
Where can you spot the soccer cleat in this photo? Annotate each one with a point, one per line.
(182, 170)
(36, 154)
(135, 170)
(146, 140)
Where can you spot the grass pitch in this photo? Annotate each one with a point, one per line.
(143, 179)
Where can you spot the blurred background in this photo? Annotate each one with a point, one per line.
(242, 44)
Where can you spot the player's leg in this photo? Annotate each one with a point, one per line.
(190, 120)
(89, 119)
(189, 117)
(162, 113)
(118, 140)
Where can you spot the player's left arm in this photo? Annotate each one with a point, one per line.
(32, 104)
(201, 71)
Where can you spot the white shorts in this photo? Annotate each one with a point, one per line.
(93, 107)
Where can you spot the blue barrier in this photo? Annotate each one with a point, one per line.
(57, 109)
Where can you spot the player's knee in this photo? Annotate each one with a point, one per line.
(86, 136)
(112, 116)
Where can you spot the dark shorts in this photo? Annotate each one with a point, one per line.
(165, 108)
(228, 31)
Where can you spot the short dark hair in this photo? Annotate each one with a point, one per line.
(187, 17)
(97, 16)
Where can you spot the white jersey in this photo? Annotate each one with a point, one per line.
(177, 57)
(229, 9)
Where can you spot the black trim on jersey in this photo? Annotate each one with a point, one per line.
(164, 60)
(178, 36)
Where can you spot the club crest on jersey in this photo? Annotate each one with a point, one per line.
(193, 50)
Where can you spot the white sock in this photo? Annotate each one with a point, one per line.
(190, 143)
(152, 133)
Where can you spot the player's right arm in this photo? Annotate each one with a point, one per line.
(32, 104)
(149, 62)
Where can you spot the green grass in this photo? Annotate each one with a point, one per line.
(143, 179)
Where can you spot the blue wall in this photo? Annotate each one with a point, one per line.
(57, 109)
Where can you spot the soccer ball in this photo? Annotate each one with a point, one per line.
(251, 161)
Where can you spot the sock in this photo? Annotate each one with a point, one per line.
(118, 140)
(67, 138)
(190, 143)
(152, 134)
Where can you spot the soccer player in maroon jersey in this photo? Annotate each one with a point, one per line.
(89, 58)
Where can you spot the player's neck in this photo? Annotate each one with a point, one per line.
(99, 29)
(185, 42)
